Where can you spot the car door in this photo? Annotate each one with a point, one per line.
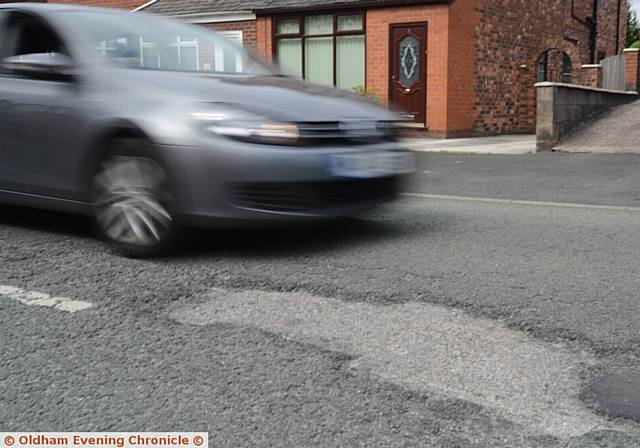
(4, 106)
(41, 117)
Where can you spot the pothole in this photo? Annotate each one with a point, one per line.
(617, 393)
(425, 348)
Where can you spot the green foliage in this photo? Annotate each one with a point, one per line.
(633, 27)
(367, 93)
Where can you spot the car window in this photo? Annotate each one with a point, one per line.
(146, 42)
(29, 34)
(3, 28)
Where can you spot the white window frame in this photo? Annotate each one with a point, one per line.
(179, 45)
(235, 36)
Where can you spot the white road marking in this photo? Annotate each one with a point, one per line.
(522, 202)
(33, 298)
(427, 348)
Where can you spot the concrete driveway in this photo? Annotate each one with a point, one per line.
(616, 132)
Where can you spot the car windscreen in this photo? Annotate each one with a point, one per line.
(154, 43)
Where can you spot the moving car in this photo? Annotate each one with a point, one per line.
(150, 125)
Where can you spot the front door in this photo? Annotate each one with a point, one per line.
(408, 67)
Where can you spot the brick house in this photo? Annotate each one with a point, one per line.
(457, 67)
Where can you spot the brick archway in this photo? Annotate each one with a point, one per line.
(554, 65)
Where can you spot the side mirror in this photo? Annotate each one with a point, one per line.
(41, 65)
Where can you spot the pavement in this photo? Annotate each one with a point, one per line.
(618, 131)
(502, 144)
(494, 307)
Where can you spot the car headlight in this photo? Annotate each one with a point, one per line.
(245, 126)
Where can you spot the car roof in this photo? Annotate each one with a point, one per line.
(56, 7)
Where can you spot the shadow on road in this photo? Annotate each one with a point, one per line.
(47, 221)
(287, 239)
(273, 240)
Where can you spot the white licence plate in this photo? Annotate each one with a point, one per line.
(366, 165)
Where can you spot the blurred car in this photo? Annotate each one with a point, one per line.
(150, 125)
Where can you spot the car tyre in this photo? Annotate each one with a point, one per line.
(132, 200)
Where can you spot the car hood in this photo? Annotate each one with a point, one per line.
(275, 97)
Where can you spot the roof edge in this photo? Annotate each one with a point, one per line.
(146, 5)
(349, 5)
(216, 17)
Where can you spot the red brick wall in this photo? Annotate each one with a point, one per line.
(511, 36)
(451, 61)
(590, 76)
(632, 69)
(248, 28)
(461, 111)
(377, 54)
(264, 42)
(607, 22)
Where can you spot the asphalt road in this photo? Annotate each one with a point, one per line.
(431, 322)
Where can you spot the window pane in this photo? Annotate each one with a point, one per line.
(567, 68)
(318, 25)
(318, 60)
(189, 58)
(219, 61)
(169, 59)
(409, 62)
(290, 57)
(225, 60)
(350, 62)
(150, 56)
(288, 26)
(542, 67)
(350, 23)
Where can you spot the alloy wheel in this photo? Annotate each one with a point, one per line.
(132, 201)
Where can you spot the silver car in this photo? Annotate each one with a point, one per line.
(150, 125)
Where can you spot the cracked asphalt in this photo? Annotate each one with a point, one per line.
(343, 333)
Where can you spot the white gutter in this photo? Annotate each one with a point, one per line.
(208, 17)
(217, 17)
(144, 6)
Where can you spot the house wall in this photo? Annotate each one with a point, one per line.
(264, 36)
(248, 28)
(607, 23)
(377, 55)
(511, 36)
(462, 112)
(451, 58)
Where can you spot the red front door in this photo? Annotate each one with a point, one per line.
(408, 70)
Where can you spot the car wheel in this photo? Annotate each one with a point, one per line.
(132, 201)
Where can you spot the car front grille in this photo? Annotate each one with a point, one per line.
(352, 132)
(301, 197)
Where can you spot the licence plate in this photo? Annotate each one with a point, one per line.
(367, 165)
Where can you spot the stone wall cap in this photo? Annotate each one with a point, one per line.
(591, 66)
(631, 49)
(575, 86)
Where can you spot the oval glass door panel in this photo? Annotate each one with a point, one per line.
(409, 63)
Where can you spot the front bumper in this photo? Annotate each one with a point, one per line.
(247, 182)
